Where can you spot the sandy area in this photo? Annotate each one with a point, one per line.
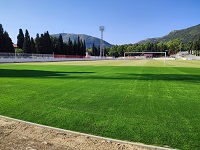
(16, 135)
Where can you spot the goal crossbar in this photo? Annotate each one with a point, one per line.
(147, 53)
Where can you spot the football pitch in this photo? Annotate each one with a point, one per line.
(139, 101)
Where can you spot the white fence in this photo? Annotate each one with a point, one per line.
(25, 55)
(192, 57)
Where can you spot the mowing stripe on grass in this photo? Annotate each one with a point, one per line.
(146, 104)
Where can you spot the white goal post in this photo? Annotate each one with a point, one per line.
(146, 53)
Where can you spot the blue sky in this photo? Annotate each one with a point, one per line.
(126, 21)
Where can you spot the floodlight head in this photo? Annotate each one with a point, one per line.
(101, 28)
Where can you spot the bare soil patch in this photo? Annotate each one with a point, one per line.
(16, 135)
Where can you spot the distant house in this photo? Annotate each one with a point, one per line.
(148, 55)
(15, 46)
(183, 53)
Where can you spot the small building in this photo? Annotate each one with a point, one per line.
(148, 55)
(15, 46)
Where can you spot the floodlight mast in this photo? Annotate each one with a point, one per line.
(101, 28)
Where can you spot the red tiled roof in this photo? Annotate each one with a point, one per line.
(15, 46)
(150, 55)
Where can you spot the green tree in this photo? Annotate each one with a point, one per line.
(70, 47)
(130, 48)
(54, 44)
(113, 51)
(75, 45)
(20, 39)
(27, 43)
(79, 45)
(41, 42)
(83, 48)
(106, 50)
(60, 44)
(65, 49)
(93, 50)
(2, 39)
(8, 43)
(47, 46)
(120, 50)
(33, 49)
(37, 43)
(161, 47)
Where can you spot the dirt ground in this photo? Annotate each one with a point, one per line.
(16, 135)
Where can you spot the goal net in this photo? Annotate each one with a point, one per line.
(145, 56)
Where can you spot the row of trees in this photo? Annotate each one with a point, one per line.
(6, 44)
(46, 44)
(42, 44)
(172, 47)
(95, 51)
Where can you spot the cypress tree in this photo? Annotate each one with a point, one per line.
(48, 46)
(41, 44)
(70, 47)
(93, 50)
(98, 51)
(2, 39)
(65, 49)
(75, 45)
(27, 43)
(33, 49)
(60, 44)
(37, 43)
(79, 46)
(8, 43)
(84, 49)
(20, 39)
(54, 45)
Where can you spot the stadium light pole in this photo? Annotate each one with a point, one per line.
(101, 28)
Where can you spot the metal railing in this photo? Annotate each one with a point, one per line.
(25, 55)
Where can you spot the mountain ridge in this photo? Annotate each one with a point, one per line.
(89, 40)
(185, 35)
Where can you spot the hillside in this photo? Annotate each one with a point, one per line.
(185, 35)
(89, 40)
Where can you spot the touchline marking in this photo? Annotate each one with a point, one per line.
(89, 135)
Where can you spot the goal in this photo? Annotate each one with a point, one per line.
(145, 55)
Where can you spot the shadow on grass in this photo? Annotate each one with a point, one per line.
(35, 73)
(178, 77)
(87, 75)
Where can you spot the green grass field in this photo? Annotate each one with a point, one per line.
(139, 101)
